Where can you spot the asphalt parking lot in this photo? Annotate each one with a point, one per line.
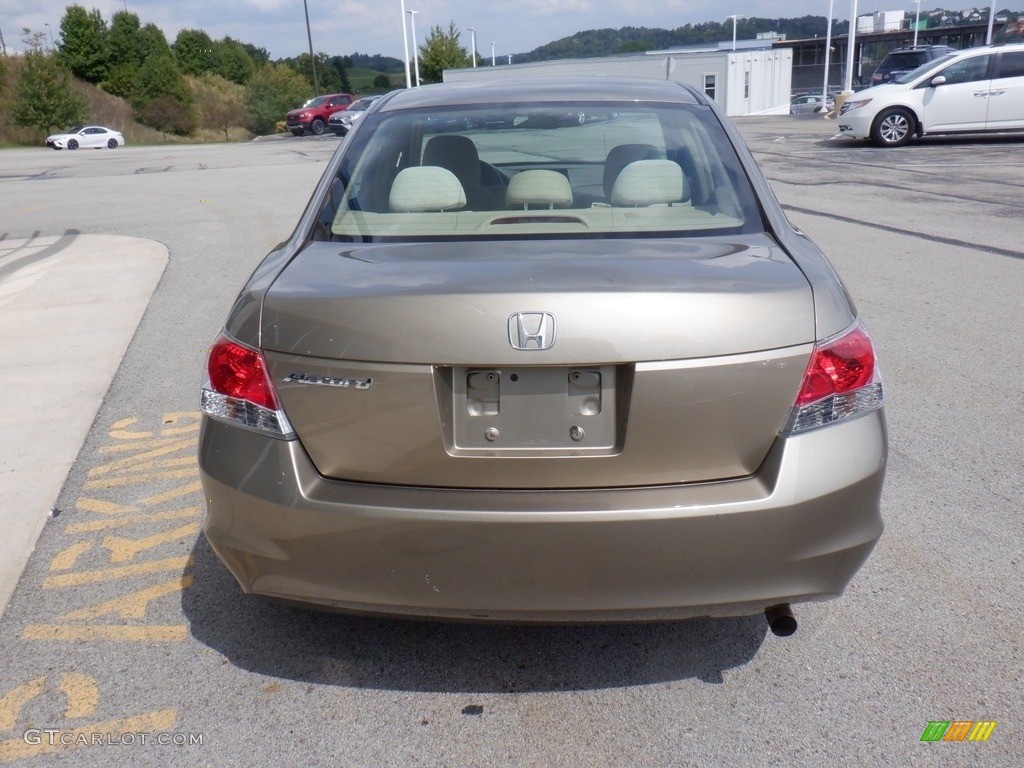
(128, 644)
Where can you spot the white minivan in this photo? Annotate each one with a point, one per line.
(971, 91)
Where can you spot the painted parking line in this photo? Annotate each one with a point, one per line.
(121, 562)
(65, 731)
(133, 525)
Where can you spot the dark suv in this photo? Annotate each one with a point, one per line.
(312, 116)
(902, 60)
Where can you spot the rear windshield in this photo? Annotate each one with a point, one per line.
(926, 67)
(536, 170)
(903, 61)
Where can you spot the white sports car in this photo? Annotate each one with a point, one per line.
(94, 136)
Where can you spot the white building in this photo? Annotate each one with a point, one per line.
(883, 21)
(753, 79)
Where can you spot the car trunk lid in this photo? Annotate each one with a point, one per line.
(500, 364)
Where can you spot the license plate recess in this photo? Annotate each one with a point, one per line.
(542, 410)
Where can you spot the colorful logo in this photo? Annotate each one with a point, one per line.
(958, 730)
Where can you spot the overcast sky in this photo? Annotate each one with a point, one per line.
(374, 26)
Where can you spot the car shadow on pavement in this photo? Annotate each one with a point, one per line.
(311, 646)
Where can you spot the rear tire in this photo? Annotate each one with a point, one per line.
(893, 127)
(73, 144)
(318, 127)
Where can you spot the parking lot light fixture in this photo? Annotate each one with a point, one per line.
(472, 34)
(405, 48)
(415, 49)
(917, 20)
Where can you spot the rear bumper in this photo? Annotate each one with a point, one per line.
(797, 531)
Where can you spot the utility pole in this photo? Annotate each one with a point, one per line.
(3, 46)
(472, 32)
(312, 58)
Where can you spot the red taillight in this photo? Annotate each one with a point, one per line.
(842, 365)
(240, 372)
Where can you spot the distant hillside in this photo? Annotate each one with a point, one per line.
(608, 42)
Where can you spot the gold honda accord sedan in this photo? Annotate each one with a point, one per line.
(544, 351)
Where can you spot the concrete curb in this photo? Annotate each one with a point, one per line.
(69, 307)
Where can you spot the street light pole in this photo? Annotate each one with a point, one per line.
(850, 38)
(493, 64)
(415, 50)
(51, 34)
(312, 58)
(991, 19)
(917, 20)
(472, 33)
(828, 53)
(405, 48)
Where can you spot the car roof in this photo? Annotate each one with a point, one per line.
(543, 89)
(994, 48)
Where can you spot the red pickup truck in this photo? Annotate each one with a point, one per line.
(312, 116)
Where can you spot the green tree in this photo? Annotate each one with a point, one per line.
(219, 103)
(331, 76)
(43, 97)
(168, 115)
(159, 76)
(442, 51)
(158, 80)
(195, 52)
(259, 56)
(84, 46)
(271, 93)
(236, 64)
(382, 82)
(337, 65)
(152, 43)
(124, 39)
(125, 54)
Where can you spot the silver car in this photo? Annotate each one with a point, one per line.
(340, 123)
(544, 371)
(810, 104)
